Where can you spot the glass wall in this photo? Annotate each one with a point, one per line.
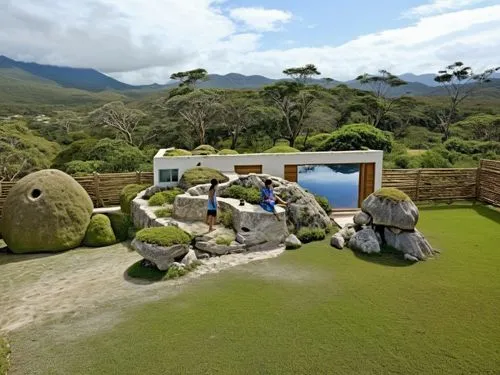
(337, 182)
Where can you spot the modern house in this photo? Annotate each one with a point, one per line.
(333, 174)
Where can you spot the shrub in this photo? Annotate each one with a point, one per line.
(227, 151)
(433, 159)
(392, 194)
(417, 137)
(177, 152)
(99, 233)
(128, 194)
(83, 168)
(306, 235)
(226, 218)
(224, 240)
(175, 272)
(164, 236)
(358, 137)
(402, 161)
(204, 150)
(249, 194)
(121, 224)
(281, 149)
(323, 202)
(165, 197)
(314, 143)
(199, 176)
(163, 212)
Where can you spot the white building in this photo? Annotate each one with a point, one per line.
(168, 170)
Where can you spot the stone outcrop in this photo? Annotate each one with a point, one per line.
(162, 257)
(365, 241)
(292, 242)
(189, 258)
(410, 243)
(387, 212)
(337, 241)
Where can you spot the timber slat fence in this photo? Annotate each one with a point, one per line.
(482, 184)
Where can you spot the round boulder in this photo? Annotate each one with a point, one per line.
(392, 208)
(46, 211)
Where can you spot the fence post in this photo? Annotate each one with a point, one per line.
(417, 187)
(138, 176)
(97, 191)
(478, 180)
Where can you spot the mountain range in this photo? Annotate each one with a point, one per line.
(17, 77)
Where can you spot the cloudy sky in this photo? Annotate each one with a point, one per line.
(144, 41)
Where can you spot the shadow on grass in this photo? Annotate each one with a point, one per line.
(388, 257)
(142, 275)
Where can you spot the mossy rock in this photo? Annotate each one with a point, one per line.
(100, 232)
(281, 149)
(204, 150)
(177, 152)
(227, 151)
(46, 211)
(393, 194)
(200, 176)
(121, 224)
(165, 197)
(164, 236)
(128, 194)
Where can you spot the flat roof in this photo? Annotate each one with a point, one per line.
(160, 154)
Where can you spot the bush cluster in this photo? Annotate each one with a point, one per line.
(204, 150)
(249, 194)
(165, 197)
(226, 218)
(358, 137)
(306, 235)
(323, 202)
(163, 212)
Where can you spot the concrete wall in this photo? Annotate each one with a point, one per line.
(272, 164)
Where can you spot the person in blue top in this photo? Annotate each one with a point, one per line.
(268, 199)
(212, 205)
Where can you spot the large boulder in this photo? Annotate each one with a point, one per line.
(46, 211)
(365, 241)
(412, 244)
(100, 232)
(391, 207)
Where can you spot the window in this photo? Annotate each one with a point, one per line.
(169, 175)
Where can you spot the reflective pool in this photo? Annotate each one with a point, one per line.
(339, 183)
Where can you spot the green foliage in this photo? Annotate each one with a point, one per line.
(393, 194)
(323, 202)
(471, 147)
(164, 212)
(483, 127)
(100, 232)
(164, 236)
(227, 152)
(281, 149)
(204, 150)
(4, 355)
(306, 235)
(175, 272)
(165, 197)
(358, 137)
(224, 240)
(199, 176)
(249, 194)
(433, 159)
(226, 218)
(121, 224)
(128, 194)
(416, 137)
(402, 161)
(83, 168)
(314, 142)
(177, 152)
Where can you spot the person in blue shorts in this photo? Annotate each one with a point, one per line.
(212, 205)
(268, 199)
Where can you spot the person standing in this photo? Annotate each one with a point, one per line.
(212, 205)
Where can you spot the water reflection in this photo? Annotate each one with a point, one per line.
(337, 182)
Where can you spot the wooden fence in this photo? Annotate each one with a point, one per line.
(481, 184)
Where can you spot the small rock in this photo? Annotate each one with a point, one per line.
(201, 254)
(292, 242)
(347, 232)
(337, 241)
(411, 258)
(362, 218)
(365, 241)
(189, 258)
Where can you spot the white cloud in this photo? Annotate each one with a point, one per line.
(440, 6)
(261, 19)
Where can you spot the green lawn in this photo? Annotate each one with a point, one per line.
(318, 310)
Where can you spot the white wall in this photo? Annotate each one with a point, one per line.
(272, 164)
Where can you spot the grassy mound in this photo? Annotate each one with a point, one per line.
(165, 236)
(281, 149)
(99, 233)
(121, 224)
(249, 194)
(227, 151)
(306, 235)
(177, 152)
(165, 197)
(393, 194)
(200, 176)
(128, 194)
(204, 150)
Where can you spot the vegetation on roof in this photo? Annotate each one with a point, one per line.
(392, 194)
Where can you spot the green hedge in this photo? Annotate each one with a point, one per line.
(128, 194)
(164, 236)
(306, 235)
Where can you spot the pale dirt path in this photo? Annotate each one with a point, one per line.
(85, 283)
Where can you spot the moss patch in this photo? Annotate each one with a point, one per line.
(128, 194)
(226, 218)
(177, 152)
(393, 194)
(204, 150)
(227, 151)
(249, 194)
(224, 240)
(323, 202)
(100, 232)
(281, 149)
(165, 236)
(4, 356)
(164, 212)
(165, 197)
(306, 235)
(199, 176)
(121, 224)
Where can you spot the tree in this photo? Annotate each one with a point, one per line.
(381, 86)
(124, 121)
(236, 117)
(190, 78)
(358, 137)
(460, 82)
(302, 74)
(199, 109)
(295, 104)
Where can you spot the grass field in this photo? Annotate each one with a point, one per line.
(316, 311)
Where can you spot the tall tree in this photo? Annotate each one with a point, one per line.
(460, 82)
(236, 115)
(191, 77)
(302, 74)
(295, 104)
(126, 122)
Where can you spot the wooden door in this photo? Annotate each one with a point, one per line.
(366, 181)
(247, 169)
(291, 173)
